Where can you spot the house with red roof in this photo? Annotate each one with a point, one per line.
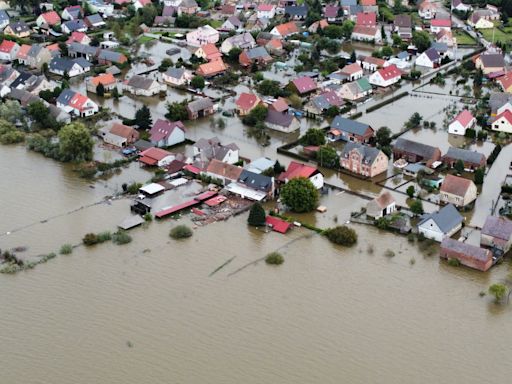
(369, 33)
(8, 50)
(277, 224)
(438, 25)
(458, 191)
(296, 170)
(266, 11)
(371, 63)
(427, 10)
(285, 30)
(79, 37)
(246, 102)
(463, 121)
(108, 81)
(73, 12)
(75, 103)
(165, 133)
(50, 18)
(303, 85)
(366, 19)
(386, 77)
(505, 82)
(119, 135)
(503, 122)
(352, 71)
(208, 52)
(445, 37)
(22, 54)
(275, 47)
(213, 68)
(156, 157)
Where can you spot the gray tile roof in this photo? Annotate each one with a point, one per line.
(94, 19)
(3, 17)
(61, 64)
(257, 53)
(200, 104)
(465, 155)
(278, 118)
(432, 54)
(140, 82)
(255, 181)
(498, 227)
(112, 56)
(424, 150)
(175, 73)
(296, 10)
(369, 154)
(446, 218)
(492, 60)
(498, 99)
(348, 125)
(82, 49)
(74, 25)
(65, 96)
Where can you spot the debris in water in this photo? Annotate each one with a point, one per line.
(222, 266)
(129, 344)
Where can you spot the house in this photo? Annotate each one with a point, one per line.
(228, 10)
(138, 4)
(441, 224)
(317, 26)
(232, 23)
(51, 19)
(254, 56)
(260, 165)
(107, 57)
(200, 108)
(266, 11)
(438, 25)
(331, 13)
(366, 19)
(71, 26)
(415, 152)
(38, 55)
(72, 67)
(208, 149)
(367, 33)
(505, 82)
(371, 63)
(18, 29)
(483, 19)
(296, 12)
(143, 86)
(119, 135)
(402, 21)
(355, 90)
(472, 160)
(101, 6)
(208, 52)
(304, 85)
(490, 63)
(458, 5)
(246, 102)
(457, 191)
(430, 58)
(296, 170)
(156, 157)
(463, 121)
(445, 37)
(281, 121)
(385, 77)
(227, 173)
(72, 12)
(108, 81)
(213, 68)
(257, 182)
(75, 103)
(284, 30)
(363, 160)
(22, 55)
(81, 50)
(467, 254)
(381, 206)
(166, 133)
(503, 122)
(94, 21)
(8, 50)
(188, 7)
(275, 47)
(280, 105)
(4, 19)
(203, 35)
(242, 41)
(349, 130)
(427, 10)
(79, 37)
(352, 71)
(497, 233)
(177, 77)
(324, 101)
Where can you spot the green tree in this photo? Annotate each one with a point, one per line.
(233, 55)
(387, 51)
(165, 65)
(477, 82)
(333, 31)
(75, 143)
(256, 115)
(197, 82)
(459, 166)
(479, 176)
(10, 110)
(353, 57)
(421, 40)
(499, 291)
(327, 156)
(414, 120)
(100, 90)
(410, 191)
(416, 207)
(383, 136)
(300, 195)
(256, 215)
(346, 28)
(177, 111)
(342, 235)
(313, 136)
(143, 118)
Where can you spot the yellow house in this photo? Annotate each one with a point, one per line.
(17, 29)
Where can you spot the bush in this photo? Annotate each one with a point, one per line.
(256, 215)
(313, 136)
(180, 232)
(148, 217)
(90, 239)
(121, 237)
(66, 249)
(104, 236)
(389, 253)
(274, 258)
(342, 235)
(454, 262)
(499, 291)
(133, 188)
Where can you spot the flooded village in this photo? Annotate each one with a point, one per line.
(268, 191)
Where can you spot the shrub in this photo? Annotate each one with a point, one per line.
(274, 258)
(180, 232)
(410, 191)
(121, 237)
(454, 262)
(412, 261)
(256, 215)
(104, 236)
(133, 188)
(66, 249)
(499, 291)
(410, 237)
(90, 239)
(342, 235)
(389, 253)
(148, 217)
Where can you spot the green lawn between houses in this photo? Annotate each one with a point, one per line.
(463, 38)
(499, 35)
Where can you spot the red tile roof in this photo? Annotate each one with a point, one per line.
(212, 68)
(507, 115)
(78, 101)
(304, 84)
(7, 46)
(441, 23)
(51, 18)
(164, 128)
(505, 81)
(265, 7)
(390, 72)
(367, 30)
(155, 154)
(366, 18)
(104, 78)
(297, 170)
(277, 224)
(464, 118)
(287, 28)
(455, 185)
(351, 69)
(23, 52)
(280, 105)
(211, 51)
(77, 36)
(367, 3)
(247, 101)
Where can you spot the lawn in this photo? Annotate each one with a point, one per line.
(144, 39)
(463, 37)
(504, 37)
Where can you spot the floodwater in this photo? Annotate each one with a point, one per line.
(152, 311)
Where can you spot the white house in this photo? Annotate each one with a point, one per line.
(71, 67)
(100, 6)
(242, 41)
(503, 122)
(438, 25)
(8, 50)
(143, 86)
(460, 6)
(266, 11)
(463, 121)
(77, 104)
(430, 58)
(367, 33)
(427, 10)
(381, 206)
(203, 35)
(166, 133)
(439, 225)
(385, 77)
(177, 76)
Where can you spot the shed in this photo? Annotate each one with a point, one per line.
(152, 189)
(277, 224)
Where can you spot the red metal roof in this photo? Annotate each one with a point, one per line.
(464, 118)
(148, 160)
(214, 201)
(390, 72)
(297, 170)
(247, 100)
(366, 18)
(277, 224)
(176, 208)
(7, 46)
(205, 196)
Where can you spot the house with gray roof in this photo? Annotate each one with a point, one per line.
(107, 57)
(205, 150)
(281, 121)
(441, 224)
(200, 108)
(497, 233)
(296, 12)
(73, 26)
(257, 182)
(242, 41)
(257, 55)
(82, 50)
(177, 76)
(37, 56)
(71, 67)
(363, 160)
(349, 130)
(430, 58)
(472, 160)
(415, 152)
(143, 86)
(94, 21)
(4, 19)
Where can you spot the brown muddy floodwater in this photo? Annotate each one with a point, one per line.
(152, 312)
